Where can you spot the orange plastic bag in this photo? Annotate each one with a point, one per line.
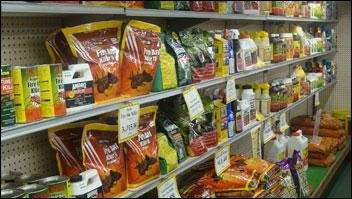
(98, 45)
(142, 150)
(102, 152)
(140, 57)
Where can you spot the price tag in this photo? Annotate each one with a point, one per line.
(128, 122)
(193, 102)
(222, 159)
(283, 124)
(268, 132)
(168, 189)
(316, 139)
(316, 99)
(230, 90)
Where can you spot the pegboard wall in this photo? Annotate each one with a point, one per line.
(22, 43)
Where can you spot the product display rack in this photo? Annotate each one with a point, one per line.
(38, 9)
(190, 162)
(25, 129)
(8, 8)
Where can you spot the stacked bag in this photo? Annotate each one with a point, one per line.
(332, 135)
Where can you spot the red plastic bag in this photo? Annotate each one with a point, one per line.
(209, 6)
(196, 6)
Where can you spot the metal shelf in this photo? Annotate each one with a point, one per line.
(192, 161)
(20, 8)
(97, 109)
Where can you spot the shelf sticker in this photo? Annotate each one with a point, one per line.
(222, 159)
(168, 188)
(268, 132)
(283, 123)
(316, 139)
(230, 90)
(193, 102)
(316, 99)
(128, 121)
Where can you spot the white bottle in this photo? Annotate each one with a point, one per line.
(299, 143)
(248, 95)
(274, 150)
(245, 109)
(284, 140)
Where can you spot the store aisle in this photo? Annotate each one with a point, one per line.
(341, 187)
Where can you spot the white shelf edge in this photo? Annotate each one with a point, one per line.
(192, 161)
(14, 8)
(26, 129)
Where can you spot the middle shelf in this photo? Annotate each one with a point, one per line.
(98, 109)
(192, 161)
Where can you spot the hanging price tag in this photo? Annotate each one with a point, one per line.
(230, 90)
(193, 102)
(283, 124)
(316, 99)
(168, 189)
(128, 122)
(222, 159)
(316, 139)
(268, 132)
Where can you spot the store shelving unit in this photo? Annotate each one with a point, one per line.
(45, 9)
(192, 161)
(25, 129)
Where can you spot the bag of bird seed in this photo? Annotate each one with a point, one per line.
(142, 150)
(140, 57)
(101, 151)
(98, 45)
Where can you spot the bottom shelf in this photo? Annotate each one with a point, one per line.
(320, 177)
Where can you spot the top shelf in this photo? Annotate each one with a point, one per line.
(28, 9)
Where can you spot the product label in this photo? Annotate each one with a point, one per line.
(268, 132)
(222, 159)
(230, 90)
(168, 189)
(283, 124)
(265, 107)
(128, 122)
(193, 102)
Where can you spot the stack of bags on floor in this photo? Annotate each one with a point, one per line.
(245, 178)
(331, 132)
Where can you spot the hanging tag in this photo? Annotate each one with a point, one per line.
(193, 102)
(128, 122)
(168, 189)
(316, 99)
(256, 144)
(222, 159)
(230, 90)
(268, 132)
(283, 124)
(316, 139)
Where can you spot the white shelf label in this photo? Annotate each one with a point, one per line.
(283, 123)
(222, 159)
(168, 189)
(316, 139)
(268, 132)
(128, 122)
(230, 90)
(193, 102)
(316, 99)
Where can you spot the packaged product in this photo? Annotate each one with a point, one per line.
(58, 186)
(139, 58)
(208, 6)
(7, 97)
(287, 182)
(87, 185)
(221, 7)
(298, 142)
(183, 66)
(78, 86)
(27, 94)
(221, 56)
(66, 141)
(251, 7)
(221, 120)
(182, 5)
(265, 7)
(52, 92)
(326, 122)
(299, 175)
(164, 5)
(322, 132)
(134, 4)
(142, 150)
(196, 5)
(198, 190)
(165, 77)
(264, 169)
(59, 49)
(261, 39)
(167, 154)
(325, 162)
(278, 8)
(105, 3)
(97, 44)
(102, 152)
(164, 124)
